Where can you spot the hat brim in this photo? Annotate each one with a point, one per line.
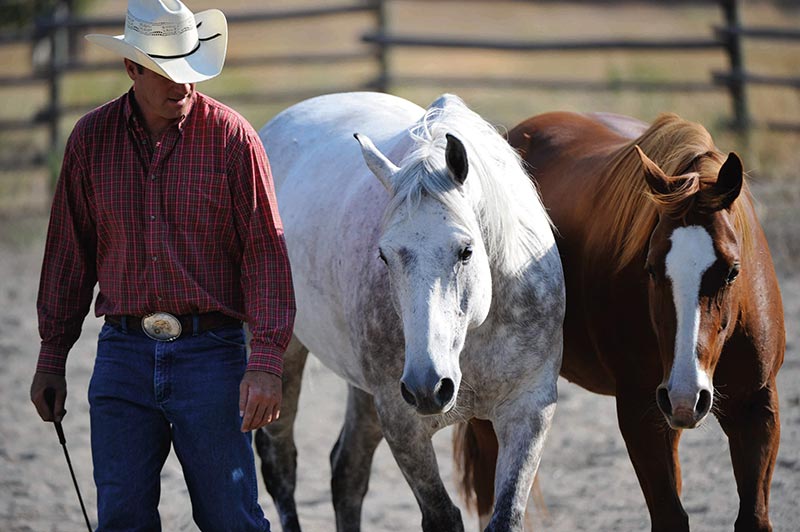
(203, 64)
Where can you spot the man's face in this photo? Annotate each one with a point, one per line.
(161, 100)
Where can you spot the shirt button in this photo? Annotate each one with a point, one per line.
(153, 177)
(152, 217)
(155, 258)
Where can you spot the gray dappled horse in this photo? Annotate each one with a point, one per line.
(432, 288)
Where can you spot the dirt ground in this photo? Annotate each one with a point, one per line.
(586, 477)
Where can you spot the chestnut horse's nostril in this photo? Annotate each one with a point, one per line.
(662, 399)
(703, 403)
(444, 392)
(407, 395)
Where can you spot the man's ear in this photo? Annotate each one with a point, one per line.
(130, 68)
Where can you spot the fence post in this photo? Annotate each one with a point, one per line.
(383, 81)
(59, 48)
(737, 82)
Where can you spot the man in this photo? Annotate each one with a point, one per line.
(166, 201)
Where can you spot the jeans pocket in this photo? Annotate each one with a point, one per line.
(232, 337)
(108, 331)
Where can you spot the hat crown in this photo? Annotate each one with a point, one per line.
(161, 28)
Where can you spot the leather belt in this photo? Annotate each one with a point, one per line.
(165, 327)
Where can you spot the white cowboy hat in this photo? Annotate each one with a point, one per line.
(167, 38)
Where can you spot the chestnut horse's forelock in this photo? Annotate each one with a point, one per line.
(681, 149)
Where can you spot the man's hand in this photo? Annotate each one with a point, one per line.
(42, 381)
(260, 395)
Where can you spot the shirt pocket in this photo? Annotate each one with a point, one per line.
(201, 203)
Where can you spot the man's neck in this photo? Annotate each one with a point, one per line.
(154, 125)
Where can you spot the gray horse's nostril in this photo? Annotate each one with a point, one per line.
(444, 391)
(662, 398)
(407, 395)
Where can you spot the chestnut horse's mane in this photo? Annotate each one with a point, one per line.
(679, 148)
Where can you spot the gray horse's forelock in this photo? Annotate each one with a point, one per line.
(502, 201)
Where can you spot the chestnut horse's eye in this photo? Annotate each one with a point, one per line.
(733, 273)
(651, 272)
(465, 254)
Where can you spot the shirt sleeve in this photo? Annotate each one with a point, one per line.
(68, 273)
(265, 272)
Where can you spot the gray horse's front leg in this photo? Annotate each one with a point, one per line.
(275, 442)
(521, 428)
(351, 459)
(412, 448)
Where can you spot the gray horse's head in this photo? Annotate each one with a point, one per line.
(437, 264)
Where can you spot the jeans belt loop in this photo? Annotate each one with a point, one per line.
(195, 324)
(124, 324)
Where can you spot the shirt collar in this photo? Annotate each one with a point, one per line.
(132, 115)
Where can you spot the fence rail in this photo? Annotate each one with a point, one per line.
(564, 45)
(62, 28)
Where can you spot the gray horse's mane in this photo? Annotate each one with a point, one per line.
(497, 195)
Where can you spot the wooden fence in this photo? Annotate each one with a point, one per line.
(62, 28)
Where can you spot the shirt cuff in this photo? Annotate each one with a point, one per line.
(52, 359)
(266, 358)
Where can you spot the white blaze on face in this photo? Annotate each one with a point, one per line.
(691, 255)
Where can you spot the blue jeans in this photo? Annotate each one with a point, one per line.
(145, 396)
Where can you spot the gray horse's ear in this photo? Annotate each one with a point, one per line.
(456, 157)
(378, 163)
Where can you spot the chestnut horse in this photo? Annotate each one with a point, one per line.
(673, 305)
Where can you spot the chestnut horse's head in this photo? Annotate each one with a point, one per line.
(693, 262)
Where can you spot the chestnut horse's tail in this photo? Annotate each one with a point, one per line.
(475, 450)
(475, 455)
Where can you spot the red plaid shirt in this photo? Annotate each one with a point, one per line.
(189, 225)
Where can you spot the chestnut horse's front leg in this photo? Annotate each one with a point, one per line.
(653, 450)
(753, 427)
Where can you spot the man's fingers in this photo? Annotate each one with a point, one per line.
(42, 409)
(59, 411)
(254, 413)
(249, 413)
(260, 399)
(260, 415)
(244, 390)
(50, 405)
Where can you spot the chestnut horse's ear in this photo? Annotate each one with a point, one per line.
(656, 179)
(729, 181)
(383, 168)
(456, 157)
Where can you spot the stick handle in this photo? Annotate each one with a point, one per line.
(50, 399)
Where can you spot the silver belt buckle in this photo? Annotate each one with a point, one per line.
(161, 326)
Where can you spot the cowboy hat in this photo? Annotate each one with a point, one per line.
(167, 38)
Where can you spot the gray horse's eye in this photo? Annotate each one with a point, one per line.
(465, 254)
(382, 256)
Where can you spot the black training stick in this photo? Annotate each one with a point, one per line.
(50, 399)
